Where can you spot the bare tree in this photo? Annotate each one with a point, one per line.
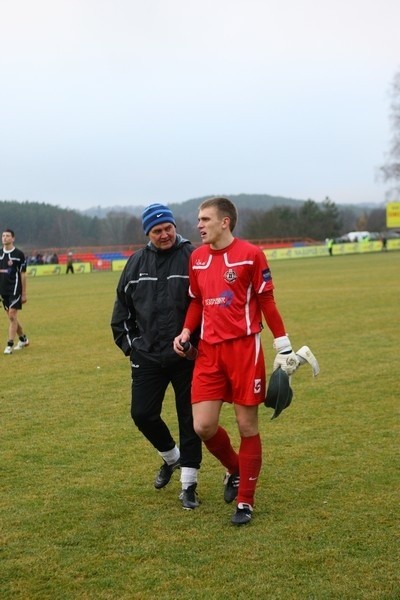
(376, 220)
(391, 169)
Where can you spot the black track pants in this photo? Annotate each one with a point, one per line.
(150, 380)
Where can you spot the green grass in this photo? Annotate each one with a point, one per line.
(80, 517)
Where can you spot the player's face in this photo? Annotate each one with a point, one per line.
(212, 227)
(7, 239)
(163, 236)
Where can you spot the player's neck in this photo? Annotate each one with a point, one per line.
(223, 242)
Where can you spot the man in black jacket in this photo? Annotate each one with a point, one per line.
(150, 307)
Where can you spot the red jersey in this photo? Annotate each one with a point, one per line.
(227, 287)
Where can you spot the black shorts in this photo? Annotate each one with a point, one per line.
(11, 302)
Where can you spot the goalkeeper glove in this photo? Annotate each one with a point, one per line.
(286, 359)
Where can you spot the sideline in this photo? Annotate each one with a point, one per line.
(271, 253)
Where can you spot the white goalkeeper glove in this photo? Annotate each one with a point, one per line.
(286, 359)
(306, 356)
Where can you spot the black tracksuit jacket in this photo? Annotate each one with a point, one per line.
(152, 300)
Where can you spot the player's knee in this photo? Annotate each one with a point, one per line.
(247, 425)
(142, 417)
(205, 430)
(247, 429)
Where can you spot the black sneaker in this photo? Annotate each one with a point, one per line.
(231, 483)
(242, 514)
(165, 474)
(188, 497)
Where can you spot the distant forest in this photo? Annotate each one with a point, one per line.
(40, 226)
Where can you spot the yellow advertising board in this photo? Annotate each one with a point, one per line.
(393, 214)
(41, 270)
(337, 250)
(271, 254)
(295, 252)
(118, 265)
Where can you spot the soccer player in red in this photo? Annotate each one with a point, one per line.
(231, 288)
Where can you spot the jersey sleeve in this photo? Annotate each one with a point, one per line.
(266, 298)
(193, 315)
(262, 278)
(23, 263)
(123, 319)
(271, 314)
(195, 311)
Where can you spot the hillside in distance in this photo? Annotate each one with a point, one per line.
(188, 209)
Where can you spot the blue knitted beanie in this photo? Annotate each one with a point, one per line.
(155, 214)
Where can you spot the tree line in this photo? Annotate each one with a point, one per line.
(40, 226)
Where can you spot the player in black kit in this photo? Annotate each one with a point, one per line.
(13, 289)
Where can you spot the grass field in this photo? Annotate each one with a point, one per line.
(80, 517)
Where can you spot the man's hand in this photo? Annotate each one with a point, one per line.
(286, 359)
(287, 362)
(180, 339)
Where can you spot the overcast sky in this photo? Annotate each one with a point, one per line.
(107, 102)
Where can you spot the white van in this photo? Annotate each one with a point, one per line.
(358, 236)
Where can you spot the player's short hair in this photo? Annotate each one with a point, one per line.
(225, 208)
(9, 231)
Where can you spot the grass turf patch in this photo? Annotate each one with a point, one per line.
(80, 515)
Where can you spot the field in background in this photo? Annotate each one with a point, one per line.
(80, 516)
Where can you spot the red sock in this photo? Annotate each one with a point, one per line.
(220, 446)
(249, 468)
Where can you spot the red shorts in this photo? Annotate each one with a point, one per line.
(232, 371)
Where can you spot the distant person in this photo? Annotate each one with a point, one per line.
(231, 289)
(13, 289)
(70, 263)
(150, 307)
(384, 243)
(330, 246)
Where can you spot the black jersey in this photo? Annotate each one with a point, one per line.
(12, 264)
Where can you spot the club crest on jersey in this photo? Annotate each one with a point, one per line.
(10, 263)
(230, 276)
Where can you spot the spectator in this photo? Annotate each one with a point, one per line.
(70, 263)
